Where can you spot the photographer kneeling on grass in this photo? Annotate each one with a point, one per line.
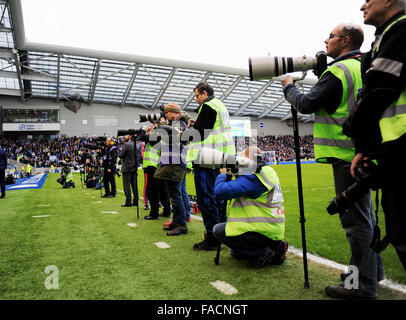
(255, 226)
(66, 178)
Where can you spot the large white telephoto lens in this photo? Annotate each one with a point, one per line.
(268, 67)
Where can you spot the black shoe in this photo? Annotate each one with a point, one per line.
(263, 262)
(340, 292)
(105, 195)
(126, 205)
(2, 196)
(280, 256)
(205, 246)
(149, 217)
(178, 230)
(146, 207)
(111, 196)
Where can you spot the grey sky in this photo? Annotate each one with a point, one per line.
(221, 32)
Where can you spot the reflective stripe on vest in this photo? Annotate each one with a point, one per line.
(151, 156)
(329, 141)
(393, 119)
(220, 137)
(264, 214)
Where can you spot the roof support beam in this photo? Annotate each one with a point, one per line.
(130, 85)
(18, 68)
(230, 89)
(76, 67)
(163, 89)
(254, 97)
(192, 95)
(58, 76)
(272, 107)
(94, 82)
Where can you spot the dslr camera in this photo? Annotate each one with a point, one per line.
(366, 178)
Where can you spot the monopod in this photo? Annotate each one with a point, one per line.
(300, 191)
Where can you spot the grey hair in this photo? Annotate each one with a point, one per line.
(356, 34)
(401, 4)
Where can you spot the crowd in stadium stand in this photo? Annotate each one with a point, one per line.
(284, 146)
(44, 152)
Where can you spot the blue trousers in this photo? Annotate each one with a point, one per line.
(185, 198)
(358, 223)
(178, 207)
(209, 206)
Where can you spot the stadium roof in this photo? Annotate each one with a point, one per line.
(36, 70)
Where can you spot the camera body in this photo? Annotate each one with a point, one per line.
(366, 178)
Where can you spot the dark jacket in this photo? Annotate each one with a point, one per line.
(171, 167)
(3, 159)
(110, 158)
(129, 162)
(381, 87)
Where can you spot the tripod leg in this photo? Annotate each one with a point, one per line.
(300, 190)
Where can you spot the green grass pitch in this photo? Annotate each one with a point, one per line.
(98, 256)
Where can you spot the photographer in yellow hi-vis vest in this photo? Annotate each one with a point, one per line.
(255, 227)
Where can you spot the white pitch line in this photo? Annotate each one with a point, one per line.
(43, 205)
(162, 245)
(224, 287)
(112, 212)
(132, 225)
(390, 284)
(44, 216)
(98, 202)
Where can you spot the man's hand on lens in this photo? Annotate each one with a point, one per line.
(287, 80)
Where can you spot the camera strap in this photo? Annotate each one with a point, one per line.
(377, 244)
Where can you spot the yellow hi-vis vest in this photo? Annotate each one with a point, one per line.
(264, 214)
(29, 168)
(69, 176)
(151, 156)
(329, 141)
(220, 137)
(393, 119)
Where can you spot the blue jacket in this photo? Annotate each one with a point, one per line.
(245, 185)
(3, 159)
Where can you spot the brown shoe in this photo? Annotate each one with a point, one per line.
(340, 292)
(178, 230)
